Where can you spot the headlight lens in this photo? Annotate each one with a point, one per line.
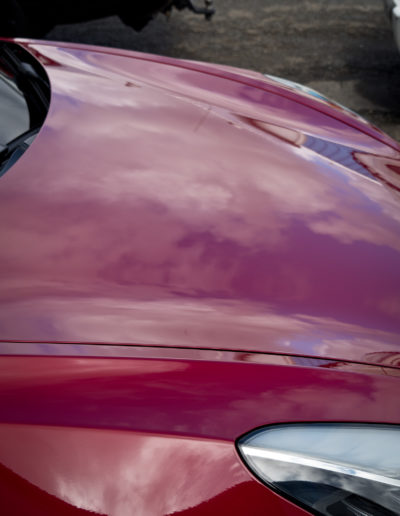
(334, 469)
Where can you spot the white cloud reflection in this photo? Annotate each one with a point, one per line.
(120, 473)
(143, 201)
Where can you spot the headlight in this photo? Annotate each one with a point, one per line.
(330, 468)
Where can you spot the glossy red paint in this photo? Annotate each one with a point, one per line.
(215, 399)
(156, 435)
(171, 203)
(191, 251)
(59, 474)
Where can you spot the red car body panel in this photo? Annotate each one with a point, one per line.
(138, 431)
(191, 252)
(110, 472)
(170, 494)
(162, 206)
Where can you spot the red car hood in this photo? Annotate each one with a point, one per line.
(178, 204)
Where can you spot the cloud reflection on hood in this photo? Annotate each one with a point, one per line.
(153, 212)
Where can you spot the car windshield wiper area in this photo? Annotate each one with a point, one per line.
(24, 102)
(13, 150)
(31, 79)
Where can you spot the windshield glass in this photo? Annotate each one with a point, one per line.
(14, 112)
(24, 102)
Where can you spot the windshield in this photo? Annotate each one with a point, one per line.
(24, 102)
(14, 113)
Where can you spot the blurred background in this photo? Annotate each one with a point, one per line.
(344, 49)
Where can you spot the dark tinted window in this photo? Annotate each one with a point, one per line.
(24, 102)
(14, 112)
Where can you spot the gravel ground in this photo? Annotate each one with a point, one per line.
(342, 48)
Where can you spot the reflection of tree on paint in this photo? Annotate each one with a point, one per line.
(387, 170)
(388, 358)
